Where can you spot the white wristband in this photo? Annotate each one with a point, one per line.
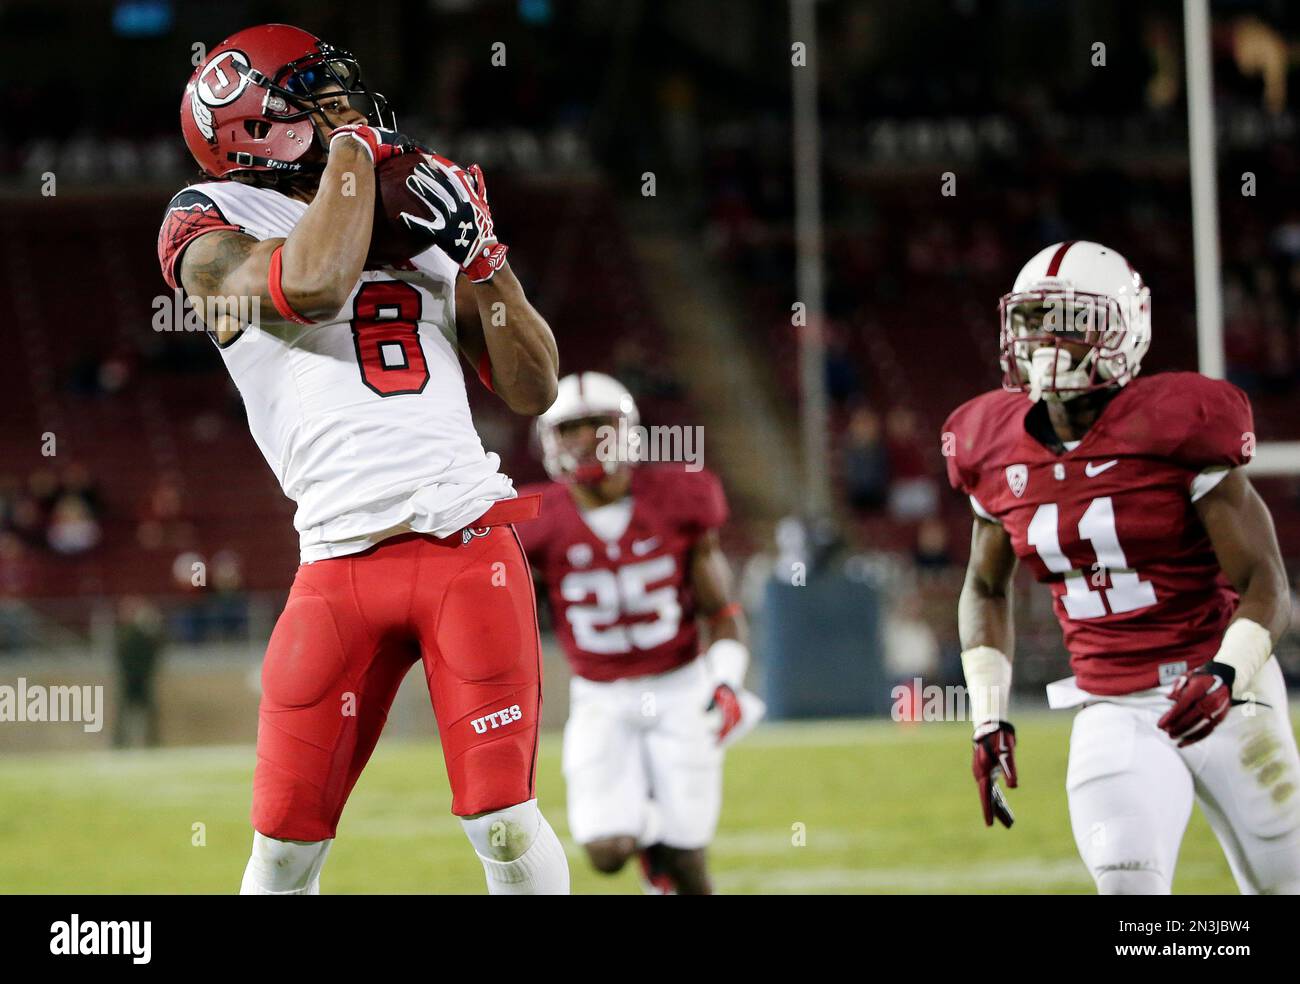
(988, 683)
(729, 659)
(1246, 647)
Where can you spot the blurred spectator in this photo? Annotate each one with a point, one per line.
(228, 605)
(911, 649)
(161, 523)
(137, 648)
(72, 527)
(77, 481)
(15, 566)
(843, 382)
(58, 511)
(913, 492)
(931, 553)
(866, 462)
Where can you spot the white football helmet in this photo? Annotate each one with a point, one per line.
(588, 394)
(1080, 293)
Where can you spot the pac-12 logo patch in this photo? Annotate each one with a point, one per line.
(1017, 479)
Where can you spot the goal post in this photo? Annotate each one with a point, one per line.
(1271, 457)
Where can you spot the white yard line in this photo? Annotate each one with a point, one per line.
(991, 877)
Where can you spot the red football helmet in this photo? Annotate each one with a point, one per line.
(248, 106)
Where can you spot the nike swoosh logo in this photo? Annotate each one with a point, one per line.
(643, 547)
(1092, 472)
(436, 224)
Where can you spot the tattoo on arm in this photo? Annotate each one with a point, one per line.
(211, 259)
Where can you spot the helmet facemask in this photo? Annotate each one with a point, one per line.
(1060, 343)
(300, 90)
(301, 81)
(567, 463)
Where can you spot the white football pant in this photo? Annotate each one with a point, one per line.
(1131, 790)
(641, 759)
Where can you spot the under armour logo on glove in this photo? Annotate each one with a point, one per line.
(459, 221)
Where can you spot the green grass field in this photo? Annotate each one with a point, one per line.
(883, 809)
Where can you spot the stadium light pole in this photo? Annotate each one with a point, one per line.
(809, 273)
(1205, 205)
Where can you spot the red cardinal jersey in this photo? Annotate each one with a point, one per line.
(1111, 525)
(624, 607)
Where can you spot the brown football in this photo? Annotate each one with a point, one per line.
(391, 243)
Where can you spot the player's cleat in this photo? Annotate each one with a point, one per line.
(995, 754)
(654, 879)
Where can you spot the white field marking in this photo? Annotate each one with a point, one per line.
(743, 843)
(990, 875)
(132, 762)
(867, 732)
(1008, 876)
(777, 841)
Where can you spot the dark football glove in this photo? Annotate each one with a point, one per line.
(458, 220)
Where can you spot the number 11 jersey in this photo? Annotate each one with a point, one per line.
(1110, 525)
(363, 417)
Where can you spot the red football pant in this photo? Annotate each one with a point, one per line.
(350, 631)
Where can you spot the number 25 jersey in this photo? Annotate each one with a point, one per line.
(625, 607)
(1111, 525)
(363, 417)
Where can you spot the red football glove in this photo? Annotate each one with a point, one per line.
(995, 754)
(380, 144)
(725, 699)
(1201, 700)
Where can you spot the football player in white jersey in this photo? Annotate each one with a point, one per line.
(356, 397)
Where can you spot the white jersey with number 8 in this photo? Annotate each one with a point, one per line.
(363, 418)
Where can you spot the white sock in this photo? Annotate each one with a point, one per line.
(279, 867)
(520, 853)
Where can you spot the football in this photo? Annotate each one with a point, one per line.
(391, 242)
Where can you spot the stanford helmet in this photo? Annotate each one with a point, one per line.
(581, 396)
(1083, 294)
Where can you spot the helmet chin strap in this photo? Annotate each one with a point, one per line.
(1052, 366)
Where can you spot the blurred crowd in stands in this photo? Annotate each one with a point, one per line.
(55, 509)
